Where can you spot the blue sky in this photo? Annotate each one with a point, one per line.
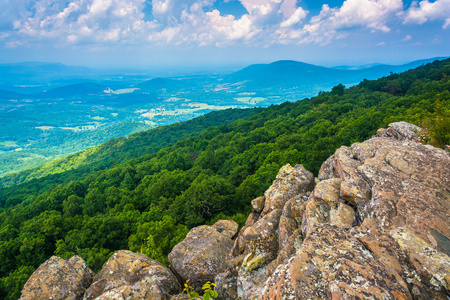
(145, 33)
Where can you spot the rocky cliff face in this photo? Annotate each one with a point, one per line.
(375, 224)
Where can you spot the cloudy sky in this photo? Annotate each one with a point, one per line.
(143, 33)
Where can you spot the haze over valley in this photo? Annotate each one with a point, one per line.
(57, 109)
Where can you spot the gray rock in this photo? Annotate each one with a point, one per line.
(58, 278)
(128, 275)
(290, 181)
(200, 256)
(228, 228)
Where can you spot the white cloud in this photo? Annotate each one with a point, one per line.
(407, 38)
(373, 14)
(336, 23)
(295, 18)
(446, 24)
(424, 11)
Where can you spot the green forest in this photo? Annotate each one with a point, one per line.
(144, 193)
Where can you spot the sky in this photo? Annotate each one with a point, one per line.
(159, 33)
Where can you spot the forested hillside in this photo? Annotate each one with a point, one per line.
(149, 202)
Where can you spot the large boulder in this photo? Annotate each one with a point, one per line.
(59, 278)
(400, 131)
(128, 275)
(289, 182)
(332, 264)
(396, 181)
(200, 256)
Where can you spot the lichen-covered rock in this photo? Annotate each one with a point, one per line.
(398, 182)
(316, 212)
(400, 131)
(128, 275)
(326, 206)
(410, 186)
(253, 217)
(326, 170)
(258, 204)
(228, 228)
(285, 229)
(262, 238)
(250, 284)
(293, 244)
(342, 216)
(432, 266)
(331, 264)
(200, 256)
(227, 284)
(291, 218)
(289, 182)
(58, 278)
(328, 191)
(382, 246)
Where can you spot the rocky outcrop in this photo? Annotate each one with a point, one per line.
(375, 224)
(331, 264)
(128, 275)
(201, 255)
(271, 227)
(58, 278)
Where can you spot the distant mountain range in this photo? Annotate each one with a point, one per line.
(306, 78)
(288, 73)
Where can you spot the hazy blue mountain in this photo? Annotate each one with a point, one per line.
(291, 74)
(9, 95)
(38, 71)
(79, 89)
(284, 73)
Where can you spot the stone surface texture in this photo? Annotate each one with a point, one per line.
(200, 256)
(331, 264)
(289, 182)
(58, 278)
(228, 228)
(128, 275)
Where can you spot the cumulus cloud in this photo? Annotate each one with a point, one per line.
(200, 23)
(424, 11)
(82, 21)
(372, 14)
(295, 18)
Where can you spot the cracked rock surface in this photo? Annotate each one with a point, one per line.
(128, 275)
(59, 278)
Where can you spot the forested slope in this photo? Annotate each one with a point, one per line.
(148, 203)
(124, 148)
